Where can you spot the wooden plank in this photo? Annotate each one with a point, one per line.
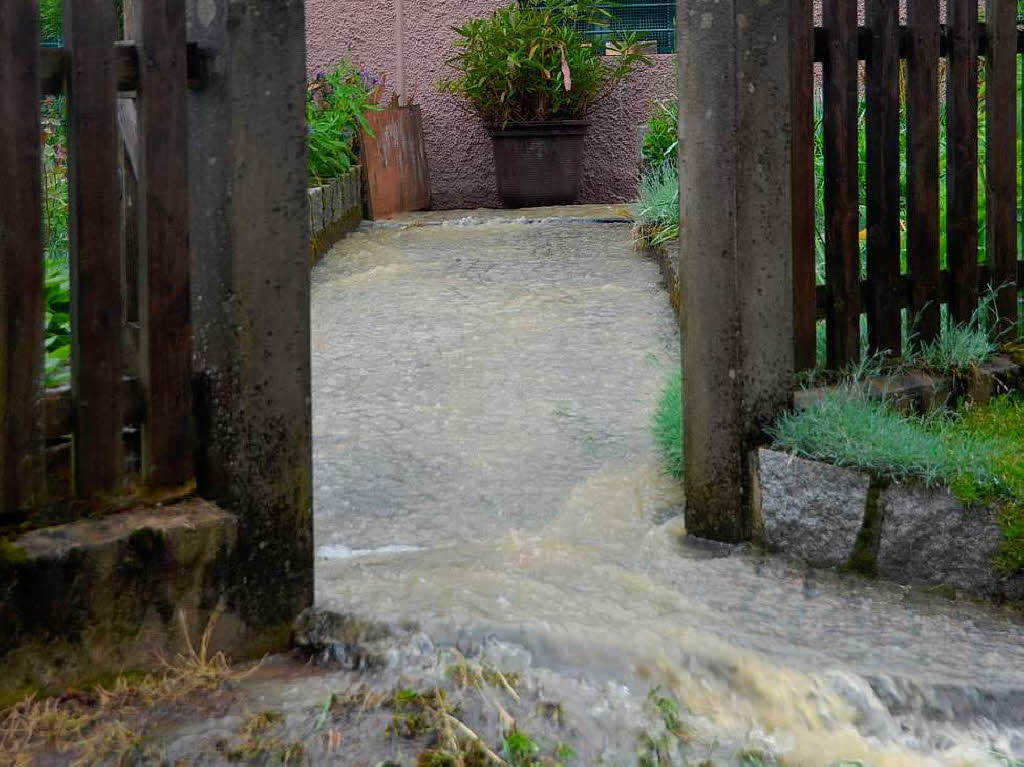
(395, 162)
(21, 262)
(842, 257)
(864, 42)
(163, 274)
(923, 165)
(53, 66)
(1000, 175)
(95, 253)
(962, 157)
(945, 289)
(883, 178)
(59, 416)
(801, 83)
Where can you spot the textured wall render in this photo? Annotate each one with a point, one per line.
(458, 147)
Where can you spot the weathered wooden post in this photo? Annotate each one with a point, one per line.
(736, 247)
(250, 297)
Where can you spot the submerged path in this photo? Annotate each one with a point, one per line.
(483, 391)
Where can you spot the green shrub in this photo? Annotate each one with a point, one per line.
(531, 63)
(661, 145)
(336, 107)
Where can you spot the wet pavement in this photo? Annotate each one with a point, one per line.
(485, 471)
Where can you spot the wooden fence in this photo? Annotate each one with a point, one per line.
(70, 444)
(910, 53)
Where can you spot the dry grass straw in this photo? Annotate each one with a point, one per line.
(109, 723)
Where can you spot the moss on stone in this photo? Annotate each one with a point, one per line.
(864, 559)
(11, 555)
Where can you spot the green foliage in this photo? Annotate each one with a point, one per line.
(51, 20)
(959, 347)
(57, 306)
(531, 63)
(667, 708)
(56, 287)
(668, 425)
(336, 107)
(977, 453)
(656, 211)
(661, 145)
(520, 750)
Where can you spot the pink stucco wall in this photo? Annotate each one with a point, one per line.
(458, 147)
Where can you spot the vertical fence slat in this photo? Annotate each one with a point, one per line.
(801, 38)
(21, 261)
(842, 257)
(883, 178)
(1000, 175)
(164, 293)
(94, 240)
(923, 165)
(962, 158)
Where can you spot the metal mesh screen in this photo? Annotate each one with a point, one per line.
(653, 20)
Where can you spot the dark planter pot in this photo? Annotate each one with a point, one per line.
(538, 163)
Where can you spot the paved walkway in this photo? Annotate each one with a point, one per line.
(484, 469)
(468, 376)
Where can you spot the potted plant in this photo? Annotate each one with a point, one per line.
(534, 77)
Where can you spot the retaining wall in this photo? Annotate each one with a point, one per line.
(335, 209)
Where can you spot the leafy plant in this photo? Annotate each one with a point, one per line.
(336, 107)
(57, 305)
(532, 63)
(51, 20)
(661, 144)
(56, 287)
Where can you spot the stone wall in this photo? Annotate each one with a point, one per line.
(829, 516)
(458, 147)
(335, 209)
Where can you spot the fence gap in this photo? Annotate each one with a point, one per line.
(1001, 146)
(163, 269)
(801, 31)
(883, 178)
(21, 262)
(94, 246)
(842, 256)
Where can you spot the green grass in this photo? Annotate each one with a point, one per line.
(978, 453)
(668, 425)
(657, 207)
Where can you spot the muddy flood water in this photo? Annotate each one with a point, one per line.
(487, 486)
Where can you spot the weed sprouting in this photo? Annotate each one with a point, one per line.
(668, 425)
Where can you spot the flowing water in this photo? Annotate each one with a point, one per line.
(485, 470)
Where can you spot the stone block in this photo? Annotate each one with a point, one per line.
(316, 209)
(808, 509)
(930, 538)
(102, 596)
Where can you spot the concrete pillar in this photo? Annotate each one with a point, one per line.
(736, 253)
(251, 298)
